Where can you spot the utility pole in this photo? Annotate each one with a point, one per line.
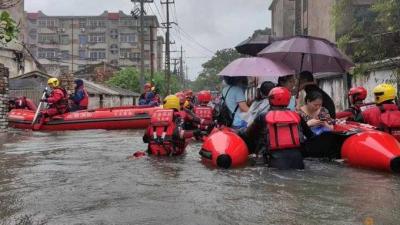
(175, 63)
(72, 45)
(181, 68)
(151, 54)
(142, 40)
(167, 50)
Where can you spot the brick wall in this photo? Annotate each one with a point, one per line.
(67, 81)
(4, 75)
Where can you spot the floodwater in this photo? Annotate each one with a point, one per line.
(84, 177)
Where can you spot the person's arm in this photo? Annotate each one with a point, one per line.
(57, 96)
(243, 106)
(306, 129)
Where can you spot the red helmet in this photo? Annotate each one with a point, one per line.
(181, 97)
(279, 96)
(357, 94)
(204, 97)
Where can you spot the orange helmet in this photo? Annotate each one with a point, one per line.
(181, 97)
(279, 96)
(204, 97)
(188, 93)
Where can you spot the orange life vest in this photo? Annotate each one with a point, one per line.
(283, 129)
(160, 131)
(390, 121)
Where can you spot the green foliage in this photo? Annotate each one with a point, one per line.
(362, 31)
(129, 79)
(8, 28)
(208, 78)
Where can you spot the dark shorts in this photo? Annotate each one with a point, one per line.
(286, 159)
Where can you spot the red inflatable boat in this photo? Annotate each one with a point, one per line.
(129, 117)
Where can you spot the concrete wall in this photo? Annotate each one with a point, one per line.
(335, 87)
(4, 75)
(282, 12)
(320, 19)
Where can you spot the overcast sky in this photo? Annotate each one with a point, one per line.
(205, 26)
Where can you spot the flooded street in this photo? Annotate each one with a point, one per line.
(84, 177)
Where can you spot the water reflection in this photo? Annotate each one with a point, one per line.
(84, 178)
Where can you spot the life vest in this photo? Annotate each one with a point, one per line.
(85, 101)
(160, 131)
(205, 113)
(390, 120)
(283, 129)
(62, 104)
(372, 115)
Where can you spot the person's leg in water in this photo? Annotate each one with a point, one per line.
(43, 115)
(286, 159)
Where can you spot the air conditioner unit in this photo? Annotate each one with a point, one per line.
(83, 30)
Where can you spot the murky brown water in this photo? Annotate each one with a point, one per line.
(84, 178)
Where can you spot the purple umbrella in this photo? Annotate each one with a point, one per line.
(256, 67)
(301, 53)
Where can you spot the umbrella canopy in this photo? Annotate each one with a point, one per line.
(253, 45)
(256, 67)
(301, 53)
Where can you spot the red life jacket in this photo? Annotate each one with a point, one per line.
(372, 115)
(60, 104)
(283, 129)
(205, 113)
(85, 101)
(160, 131)
(390, 120)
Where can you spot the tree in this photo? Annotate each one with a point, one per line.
(8, 28)
(128, 78)
(374, 32)
(208, 78)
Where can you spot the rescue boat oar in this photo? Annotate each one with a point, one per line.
(40, 106)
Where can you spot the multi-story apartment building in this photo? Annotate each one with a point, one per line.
(70, 43)
(308, 17)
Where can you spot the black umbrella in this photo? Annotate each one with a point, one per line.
(253, 45)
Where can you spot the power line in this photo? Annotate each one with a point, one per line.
(190, 37)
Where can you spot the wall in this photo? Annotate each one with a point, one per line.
(335, 89)
(282, 12)
(320, 19)
(4, 75)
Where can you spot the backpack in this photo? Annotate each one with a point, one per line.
(283, 129)
(222, 113)
(390, 121)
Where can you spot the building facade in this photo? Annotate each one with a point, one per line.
(308, 17)
(70, 43)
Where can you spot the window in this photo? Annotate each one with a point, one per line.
(48, 39)
(82, 39)
(64, 69)
(96, 23)
(47, 23)
(97, 38)
(65, 54)
(96, 54)
(127, 38)
(64, 39)
(47, 53)
(33, 34)
(305, 5)
(82, 54)
(127, 53)
(82, 23)
(114, 49)
(114, 34)
(128, 22)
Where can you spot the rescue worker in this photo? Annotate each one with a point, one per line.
(190, 100)
(356, 97)
(22, 103)
(80, 97)
(146, 97)
(57, 101)
(203, 111)
(385, 115)
(157, 99)
(278, 134)
(191, 121)
(165, 135)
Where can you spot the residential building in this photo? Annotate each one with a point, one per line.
(14, 55)
(70, 43)
(308, 17)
